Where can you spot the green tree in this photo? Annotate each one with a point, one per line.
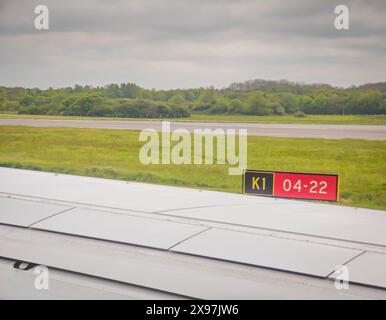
(289, 102)
(257, 104)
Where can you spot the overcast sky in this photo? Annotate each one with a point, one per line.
(190, 43)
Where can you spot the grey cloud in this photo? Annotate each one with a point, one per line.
(182, 43)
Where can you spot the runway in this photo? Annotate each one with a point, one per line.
(366, 132)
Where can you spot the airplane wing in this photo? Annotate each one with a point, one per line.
(103, 239)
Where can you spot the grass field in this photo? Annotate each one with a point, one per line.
(114, 154)
(310, 119)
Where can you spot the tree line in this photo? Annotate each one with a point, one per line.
(254, 97)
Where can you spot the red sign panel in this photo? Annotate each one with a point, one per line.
(292, 185)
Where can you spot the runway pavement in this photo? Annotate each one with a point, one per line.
(366, 132)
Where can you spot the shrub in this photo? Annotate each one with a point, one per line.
(300, 114)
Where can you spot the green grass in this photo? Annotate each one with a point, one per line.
(114, 154)
(310, 119)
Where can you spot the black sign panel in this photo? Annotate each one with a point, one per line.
(258, 183)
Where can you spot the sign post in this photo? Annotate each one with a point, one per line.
(313, 186)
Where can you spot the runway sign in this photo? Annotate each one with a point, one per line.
(292, 185)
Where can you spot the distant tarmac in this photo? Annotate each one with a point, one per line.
(366, 132)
